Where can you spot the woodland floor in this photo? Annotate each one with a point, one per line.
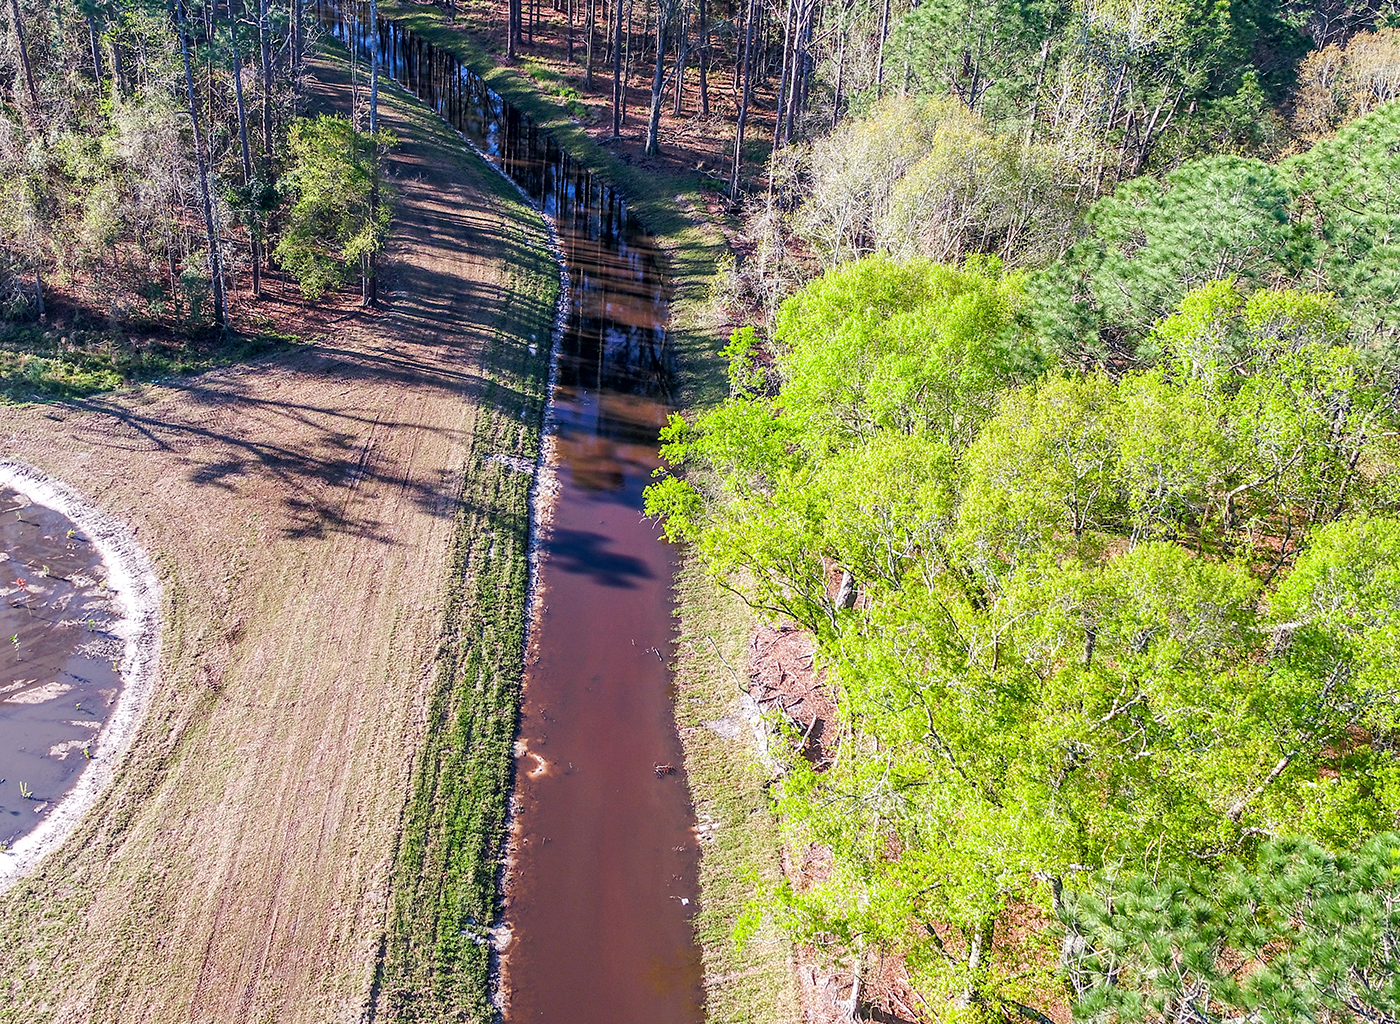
(692, 143)
(300, 511)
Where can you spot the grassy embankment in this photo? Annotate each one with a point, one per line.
(446, 850)
(754, 985)
(435, 960)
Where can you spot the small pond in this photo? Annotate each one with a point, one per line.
(59, 659)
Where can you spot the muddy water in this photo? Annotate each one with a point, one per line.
(58, 680)
(603, 885)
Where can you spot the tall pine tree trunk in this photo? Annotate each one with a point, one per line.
(588, 47)
(617, 69)
(840, 72)
(242, 110)
(682, 54)
(704, 63)
(653, 144)
(739, 54)
(373, 67)
(96, 53)
(607, 32)
(782, 91)
(368, 275)
(298, 42)
(25, 66)
(797, 88)
(627, 59)
(216, 280)
(880, 53)
(747, 73)
(1039, 83)
(265, 48)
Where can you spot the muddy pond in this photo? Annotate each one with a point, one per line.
(58, 662)
(603, 884)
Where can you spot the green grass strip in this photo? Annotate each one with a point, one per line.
(435, 962)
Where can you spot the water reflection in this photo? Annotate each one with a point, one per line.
(615, 339)
(605, 875)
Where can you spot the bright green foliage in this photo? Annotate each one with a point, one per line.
(1101, 621)
(340, 212)
(1218, 332)
(1318, 931)
(916, 347)
(883, 364)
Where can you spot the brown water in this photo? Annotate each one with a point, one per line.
(58, 677)
(603, 884)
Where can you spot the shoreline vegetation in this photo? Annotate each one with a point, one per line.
(755, 985)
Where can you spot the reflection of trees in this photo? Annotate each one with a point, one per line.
(614, 339)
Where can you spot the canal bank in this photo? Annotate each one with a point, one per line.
(602, 884)
(736, 831)
(324, 522)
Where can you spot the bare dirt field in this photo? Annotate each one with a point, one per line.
(300, 512)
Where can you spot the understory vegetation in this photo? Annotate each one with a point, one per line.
(156, 164)
(1090, 498)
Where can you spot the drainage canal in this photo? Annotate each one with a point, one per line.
(603, 882)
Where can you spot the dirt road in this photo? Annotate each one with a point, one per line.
(300, 513)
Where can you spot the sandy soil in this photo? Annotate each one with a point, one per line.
(298, 513)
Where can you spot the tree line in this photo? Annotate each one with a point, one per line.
(1113, 88)
(156, 157)
(1097, 541)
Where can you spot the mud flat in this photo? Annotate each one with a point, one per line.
(78, 603)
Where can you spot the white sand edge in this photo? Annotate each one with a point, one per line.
(132, 580)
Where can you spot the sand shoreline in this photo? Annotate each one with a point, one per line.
(132, 579)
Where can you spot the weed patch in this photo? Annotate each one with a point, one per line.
(41, 363)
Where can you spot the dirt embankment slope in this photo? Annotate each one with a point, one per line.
(300, 513)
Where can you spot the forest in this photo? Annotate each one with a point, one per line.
(1063, 415)
(1066, 423)
(158, 164)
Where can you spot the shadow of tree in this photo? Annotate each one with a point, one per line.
(583, 552)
